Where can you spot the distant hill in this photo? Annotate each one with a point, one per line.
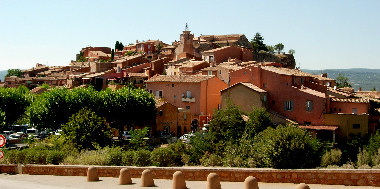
(2, 75)
(359, 77)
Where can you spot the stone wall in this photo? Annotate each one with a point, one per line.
(347, 177)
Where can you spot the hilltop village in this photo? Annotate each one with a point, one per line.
(194, 76)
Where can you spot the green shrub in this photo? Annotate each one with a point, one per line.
(55, 157)
(364, 167)
(233, 161)
(376, 158)
(251, 162)
(286, 147)
(185, 159)
(163, 157)
(114, 156)
(179, 149)
(333, 157)
(93, 157)
(364, 158)
(141, 158)
(348, 165)
(211, 160)
(127, 158)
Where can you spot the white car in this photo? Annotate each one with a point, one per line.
(186, 137)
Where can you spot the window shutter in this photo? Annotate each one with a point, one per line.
(291, 105)
(285, 105)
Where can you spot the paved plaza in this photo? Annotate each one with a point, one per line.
(23, 181)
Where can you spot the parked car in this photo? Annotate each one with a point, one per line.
(186, 137)
(32, 132)
(126, 135)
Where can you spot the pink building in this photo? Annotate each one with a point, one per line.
(196, 93)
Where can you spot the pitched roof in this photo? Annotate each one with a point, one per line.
(353, 100)
(179, 78)
(249, 85)
(287, 71)
(321, 127)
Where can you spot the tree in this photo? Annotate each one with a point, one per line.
(258, 43)
(13, 103)
(119, 46)
(81, 58)
(227, 125)
(159, 48)
(87, 130)
(279, 47)
(292, 51)
(286, 147)
(270, 49)
(259, 120)
(342, 81)
(112, 55)
(137, 138)
(373, 89)
(14, 72)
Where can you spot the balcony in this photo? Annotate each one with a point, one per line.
(191, 99)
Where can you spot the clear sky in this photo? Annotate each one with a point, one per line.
(325, 33)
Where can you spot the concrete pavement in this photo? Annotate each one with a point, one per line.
(23, 181)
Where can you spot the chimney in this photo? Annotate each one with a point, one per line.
(360, 89)
(324, 74)
(137, 41)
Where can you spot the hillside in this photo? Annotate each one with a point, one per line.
(2, 75)
(359, 77)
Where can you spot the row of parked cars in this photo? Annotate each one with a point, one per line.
(31, 132)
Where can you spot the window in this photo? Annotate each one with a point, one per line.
(211, 59)
(309, 105)
(188, 94)
(148, 46)
(205, 58)
(188, 107)
(184, 116)
(288, 105)
(265, 98)
(220, 71)
(307, 123)
(209, 72)
(137, 46)
(158, 94)
(273, 102)
(354, 111)
(356, 126)
(302, 80)
(172, 84)
(149, 52)
(328, 84)
(264, 85)
(142, 47)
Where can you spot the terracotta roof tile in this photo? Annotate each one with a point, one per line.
(353, 100)
(321, 127)
(179, 78)
(249, 85)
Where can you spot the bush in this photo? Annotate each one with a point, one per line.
(55, 157)
(163, 157)
(364, 158)
(127, 158)
(286, 147)
(211, 160)
(376, 158)
(179, 149)
(233, 161)
(114, 156)
(349, 165)
(141, 158)
(333, 157)
(93, 157)
(86, 130)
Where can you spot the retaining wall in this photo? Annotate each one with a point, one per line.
(354, 177)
